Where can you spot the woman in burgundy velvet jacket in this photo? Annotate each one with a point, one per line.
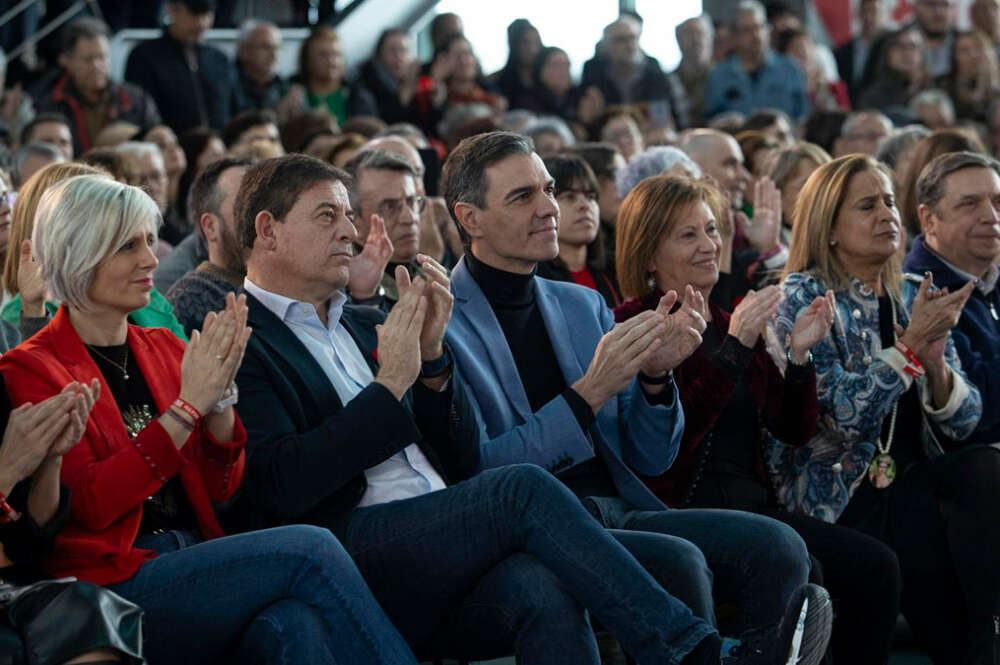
(736, 398)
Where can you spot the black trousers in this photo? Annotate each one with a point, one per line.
(942, 519)
(860, 572)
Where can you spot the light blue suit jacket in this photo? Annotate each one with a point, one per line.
(628, 430)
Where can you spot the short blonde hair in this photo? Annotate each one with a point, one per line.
(80, 222)
(815, 214)
(23, 219)
(785, 162)
(649, 212)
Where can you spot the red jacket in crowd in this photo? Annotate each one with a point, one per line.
(108, 474)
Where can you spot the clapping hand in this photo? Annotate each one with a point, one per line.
(439, 306)
(399, 336)
(752, 314)
(368, 266)
(683, 334)
(764, 231)
(84, 399)
(213, 355)
(620, 353)
(36, 432)
(811, 325)
(934, 313)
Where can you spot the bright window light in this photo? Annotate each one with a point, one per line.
(569, 24)
(659, 20)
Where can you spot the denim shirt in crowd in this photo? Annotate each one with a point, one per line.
(778, 85)
(857, 382)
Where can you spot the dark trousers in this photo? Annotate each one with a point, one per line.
(284, 595)
(860, 572)
(943, 521)
(508, 561)
(748, 565)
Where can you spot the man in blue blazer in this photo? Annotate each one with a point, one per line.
(356, 422)
(554, 383)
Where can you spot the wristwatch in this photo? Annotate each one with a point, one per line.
(229, 398)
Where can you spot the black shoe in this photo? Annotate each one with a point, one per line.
(799, 639)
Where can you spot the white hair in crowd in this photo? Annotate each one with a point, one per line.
(80, 222)
(140, 149)
(550, 124)
(748, 7)
(654, 161)
(934, 96)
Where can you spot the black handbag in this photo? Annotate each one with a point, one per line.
(58, 620)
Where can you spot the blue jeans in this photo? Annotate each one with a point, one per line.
(429, 559)
(756, 562)
(285, 595)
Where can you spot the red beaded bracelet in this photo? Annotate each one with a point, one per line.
(7, 512)
(186, 407)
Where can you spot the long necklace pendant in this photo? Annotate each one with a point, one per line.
(882, 471)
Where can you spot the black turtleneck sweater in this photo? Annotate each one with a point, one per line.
(512, 298)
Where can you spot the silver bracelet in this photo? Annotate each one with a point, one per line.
(229, 398)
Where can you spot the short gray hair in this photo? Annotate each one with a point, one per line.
(550, 125)
(251, 24)
(650, 162)
(748, 6)
(854, 117)
(934, 96)
(898, 140)
(516, 120)
(37, 149)
(931, 183)
(81, 221)
(140, 149)
(378, 160)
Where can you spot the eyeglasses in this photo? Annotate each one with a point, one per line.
(391, 208)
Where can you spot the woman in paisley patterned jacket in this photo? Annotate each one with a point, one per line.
(894, 407)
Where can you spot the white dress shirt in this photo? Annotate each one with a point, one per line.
(406, 474)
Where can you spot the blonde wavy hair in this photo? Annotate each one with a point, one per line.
(23, 218)
(816, 213)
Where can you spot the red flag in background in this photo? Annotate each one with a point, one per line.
(838, 15)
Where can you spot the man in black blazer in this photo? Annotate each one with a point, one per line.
(356, 422)
(853, 56)
(192, 83)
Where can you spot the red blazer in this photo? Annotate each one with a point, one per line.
(108, 474)
(787, 405)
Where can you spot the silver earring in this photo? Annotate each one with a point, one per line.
(833, 243)
(651, 281)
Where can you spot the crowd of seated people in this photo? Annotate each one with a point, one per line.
(397, 361)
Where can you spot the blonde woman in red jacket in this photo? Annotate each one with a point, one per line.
(163, 444)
